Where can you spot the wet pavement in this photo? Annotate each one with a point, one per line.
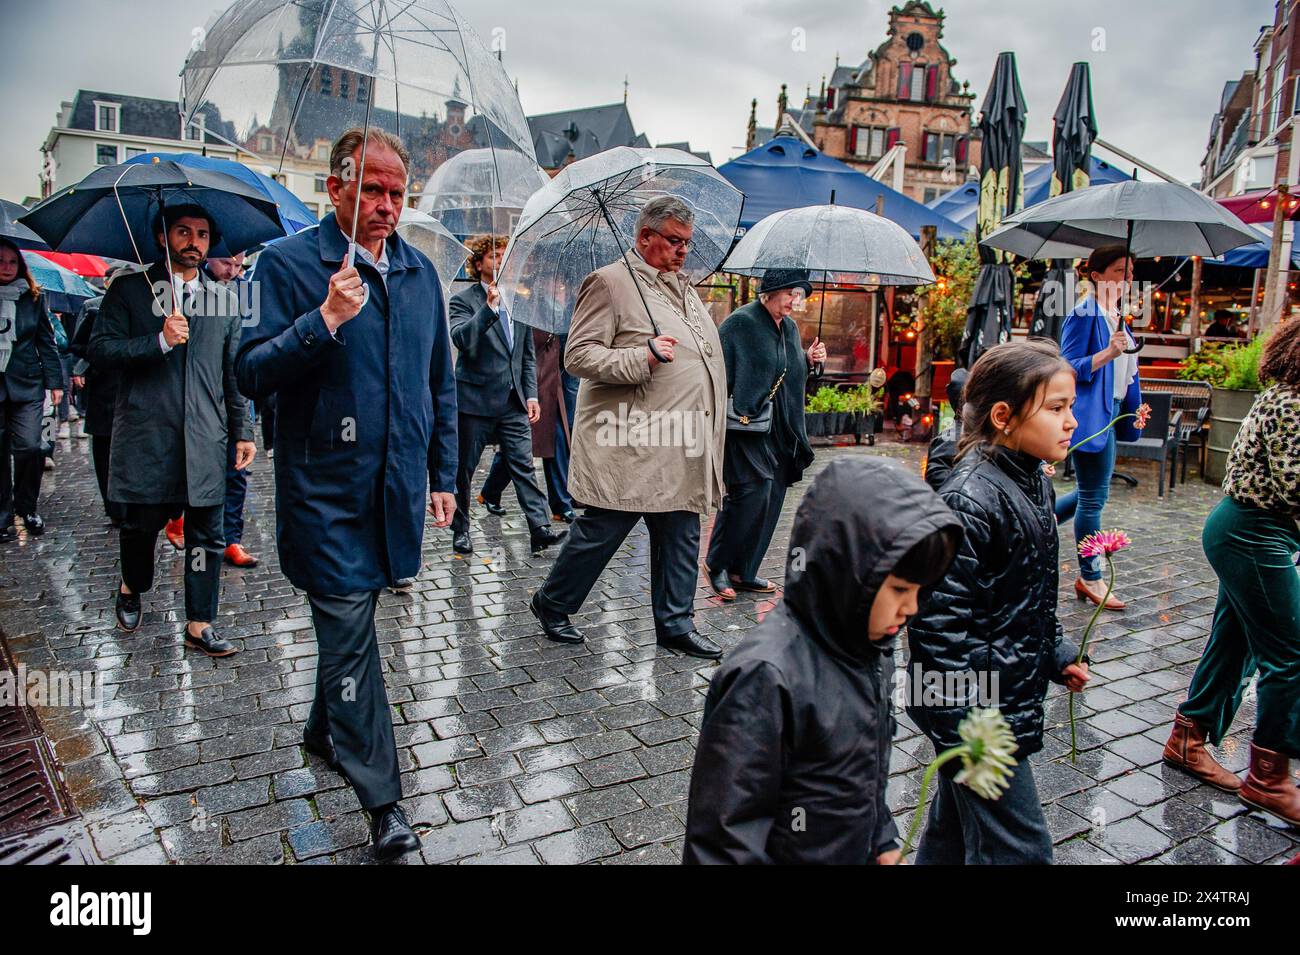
(517, 750)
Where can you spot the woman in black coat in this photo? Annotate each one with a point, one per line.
(29, 365)
(766, 364)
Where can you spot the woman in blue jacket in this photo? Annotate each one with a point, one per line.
(1095, 342)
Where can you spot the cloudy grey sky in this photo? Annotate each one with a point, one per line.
(694, 65)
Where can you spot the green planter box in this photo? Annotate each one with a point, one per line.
(1228, 408)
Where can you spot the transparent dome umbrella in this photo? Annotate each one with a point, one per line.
(432, 238)
(282, 79)
(839, 243)
(585, 218)
(482, 190)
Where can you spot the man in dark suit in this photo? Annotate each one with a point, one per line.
(352, 342)
(172, 335)
(496, 394)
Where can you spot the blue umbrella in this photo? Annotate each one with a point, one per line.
(785, 173)
(62, 290)
(294, 214)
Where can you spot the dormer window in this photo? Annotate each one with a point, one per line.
(108, 117)
(195, 129)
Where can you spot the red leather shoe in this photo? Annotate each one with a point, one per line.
(175, 531)
(235, 554)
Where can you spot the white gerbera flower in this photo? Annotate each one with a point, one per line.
(987, 758)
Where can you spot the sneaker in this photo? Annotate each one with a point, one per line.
(64, 430)
(81, 429)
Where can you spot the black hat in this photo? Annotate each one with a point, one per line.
(774, 280)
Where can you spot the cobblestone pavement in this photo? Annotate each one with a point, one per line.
(517, 750)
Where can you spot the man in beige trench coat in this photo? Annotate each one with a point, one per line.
(649, 430)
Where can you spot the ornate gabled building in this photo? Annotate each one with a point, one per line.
(903, 94)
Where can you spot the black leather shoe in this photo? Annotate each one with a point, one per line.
(567, 516)
(544, 537)
(556, 626)
(496, 509)
(719, 583)
(758, 585)
(7, 530)
(691, 644)
(323, 746)
(461, 543)
(127, 609)
(209, 643)
(391, 833)
(35, 524)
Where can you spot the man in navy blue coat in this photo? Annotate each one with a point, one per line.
(359, 359)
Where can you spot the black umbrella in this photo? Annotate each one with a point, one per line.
(1002, 125)
(15, 231)
(112, 212)
(1075, 127)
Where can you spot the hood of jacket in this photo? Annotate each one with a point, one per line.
(859, 518)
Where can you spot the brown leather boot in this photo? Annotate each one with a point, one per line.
(1269, 785)
(1186, 750)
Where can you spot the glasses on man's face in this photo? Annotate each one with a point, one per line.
(674, 241)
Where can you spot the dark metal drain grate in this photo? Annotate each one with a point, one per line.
(56, 845)
(30, 792)
(17, 723)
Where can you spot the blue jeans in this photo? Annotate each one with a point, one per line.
(1093, 470)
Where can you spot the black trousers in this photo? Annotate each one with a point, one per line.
(594, 538)
(20, 438)
(967, 829)
(515, 438)
(743, 529)
(99, 449)
(203, 546)
(351, 703)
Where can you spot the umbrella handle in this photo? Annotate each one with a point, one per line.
(654, 326)
(655, 351)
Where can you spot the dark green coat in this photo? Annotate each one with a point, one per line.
(751, 348)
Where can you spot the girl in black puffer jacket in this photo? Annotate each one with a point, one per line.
(993, 615)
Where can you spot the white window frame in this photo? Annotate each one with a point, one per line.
(116, 109)
(196, 130)
(117, 154)
(916, 93)
(133, 151)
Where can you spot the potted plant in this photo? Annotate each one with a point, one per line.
(1233, 372)
(824, 411)
(830, 411)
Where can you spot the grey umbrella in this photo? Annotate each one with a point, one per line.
(1153, 218)
(15, 231)
(1148, 218)
(1074, 128)
(1002, 187)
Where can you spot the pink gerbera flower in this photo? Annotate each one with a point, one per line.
(1103, 543)
(1142, 415)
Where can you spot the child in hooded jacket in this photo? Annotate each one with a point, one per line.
(792, 763)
